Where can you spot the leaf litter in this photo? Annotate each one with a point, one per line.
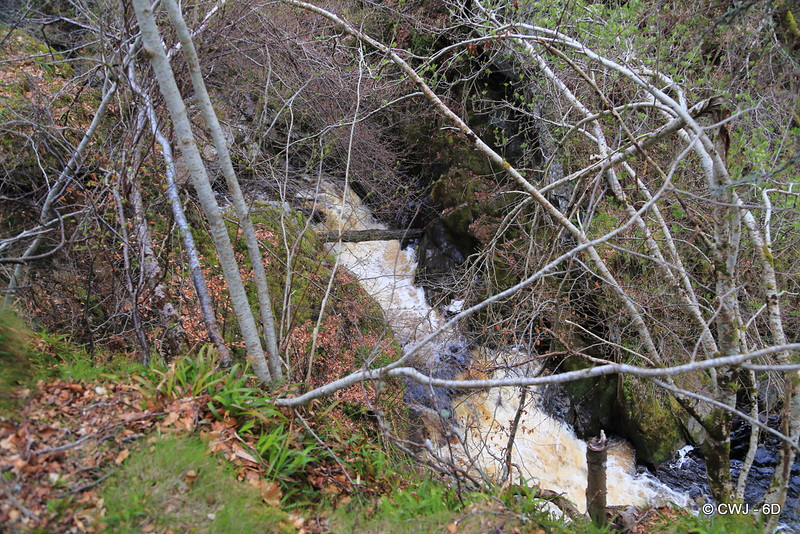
(70, 437)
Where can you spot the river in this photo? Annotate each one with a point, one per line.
(546, 451)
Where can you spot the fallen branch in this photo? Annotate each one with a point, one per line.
(357, 236)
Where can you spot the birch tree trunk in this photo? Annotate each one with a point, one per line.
(219, 232)
(174, 333)
(195, 269)
(242, 210)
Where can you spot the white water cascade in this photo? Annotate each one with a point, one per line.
(546, 451)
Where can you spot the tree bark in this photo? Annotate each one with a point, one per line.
(239, 204)
(205, 194)
(174, 333)
(133, 292)
(195, 269)
(596, 456)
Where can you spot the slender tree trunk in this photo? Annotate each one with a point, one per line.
(205, 194)
(195, 269)
(512, 435)
(776, 493)
(150, 271)
(753, 443)
(133, 292)
(242, 210)
(177, 341)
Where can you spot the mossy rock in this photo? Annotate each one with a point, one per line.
(650, 421)
(627, 406)
(449, 151)
(455, 188)
(593, 401)
(459, 219)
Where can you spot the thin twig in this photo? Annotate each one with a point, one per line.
(15, 501)
(48, 450)
(90, 484)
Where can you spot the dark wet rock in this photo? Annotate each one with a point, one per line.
(453, 360)
(740, 439)
(437, 399)
(764, 458)
(439, 255)
(588, 406)
(556, 402)
(686, 472)
(450, 362)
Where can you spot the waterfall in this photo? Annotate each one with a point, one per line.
(546, 451)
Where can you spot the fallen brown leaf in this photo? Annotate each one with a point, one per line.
(191, 476)
(296, 519)
(271, 493)
(123, 454)
(245, 456)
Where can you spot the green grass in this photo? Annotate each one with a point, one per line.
(14, 361)
(152, 488)
(419, 508)
(56, 357)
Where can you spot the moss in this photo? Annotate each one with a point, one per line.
(174, 484)
(460, 218)
(310, 265)
(91, 301)
(14, 361)
(284, 234)
(650, 420)
(718, 460)
(790, 24)
(502, 276)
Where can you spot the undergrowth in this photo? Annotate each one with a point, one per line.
(248, 465)
(14, 361)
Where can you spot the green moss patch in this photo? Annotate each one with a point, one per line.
(14, 361)
(174, 484)
(649, 417)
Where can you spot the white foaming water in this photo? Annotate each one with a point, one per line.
(546, 451)
(682, 456)
(384, 270)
